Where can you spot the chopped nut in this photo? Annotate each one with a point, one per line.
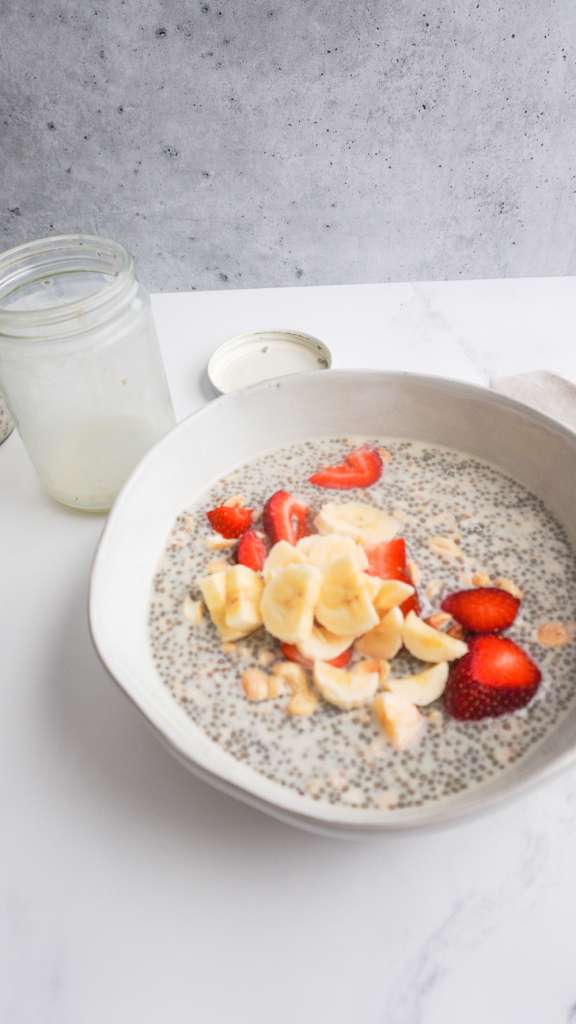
(367, 667)
(385, 455)
(445, 547)
(276, 687)
(187, 522)
(505, 584)
(302, 703)
(400, 515)
(292, 674)
(385, 670)
(314, 787)
(438, 620)
(465, 579)
(553, 634)
(337, 781)
(193, 611)
(255, 684)
(456, 631)
(230, 649)
(217, 566)
(415, 573)
(265, 658)
(218, 543)
(433, 588)
(481, 579)
(179, 539)
(387, 800)
(236, 501)
(435, 718)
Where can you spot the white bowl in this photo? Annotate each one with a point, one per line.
(528, 446)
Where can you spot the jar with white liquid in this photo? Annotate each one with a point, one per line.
(80, 365)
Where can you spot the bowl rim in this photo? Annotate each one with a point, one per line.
(285, 807)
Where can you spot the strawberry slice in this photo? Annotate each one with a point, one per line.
(388, 561)
(252, 550)
(291, 653)
(285, 518)
(230, 521)
(482, 610)
(361, 468)
(494, 678)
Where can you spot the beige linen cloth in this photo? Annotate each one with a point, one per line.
(555, 396)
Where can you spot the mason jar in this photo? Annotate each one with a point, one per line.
(80, 364)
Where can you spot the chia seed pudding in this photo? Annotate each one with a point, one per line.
(341, 757)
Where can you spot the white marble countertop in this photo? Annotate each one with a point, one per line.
(132, 892)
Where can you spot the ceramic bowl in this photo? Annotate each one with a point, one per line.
(522, 443)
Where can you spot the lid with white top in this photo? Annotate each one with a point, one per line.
(261, 355)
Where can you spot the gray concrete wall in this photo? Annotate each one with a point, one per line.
(237, 143)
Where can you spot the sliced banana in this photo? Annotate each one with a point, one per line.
(346, 690)
(429, 644)
(213, 590)
(281, 555)
(385, 640)
(289, 600)
(400, 720)
(243, 593)
(322, 645)
(364, 523)
(344, 605)
(391, 594)
(323, 550)
(423, 688)
(373, 585)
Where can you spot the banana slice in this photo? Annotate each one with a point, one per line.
(429, 644)
(400, 720)
(322, 645)
(243, 593)
(373, 586)
(364, 523)
(344, 606)
(346, 690)
(213, 590)
(289, 600)
(281, 555)
(423, 688)
(323, 550)
(391, 594)
(385, 640)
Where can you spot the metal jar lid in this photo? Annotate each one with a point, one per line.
(261, 355)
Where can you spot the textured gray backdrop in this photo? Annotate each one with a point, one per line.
(236, 143)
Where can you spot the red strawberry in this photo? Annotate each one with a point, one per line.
(285, 518)
(361, 468)
(494, 678)
(252, 550)
(388, 561)
(291, 653)
(230, 521)
(482, 610)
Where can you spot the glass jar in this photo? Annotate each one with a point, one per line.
(80, 364)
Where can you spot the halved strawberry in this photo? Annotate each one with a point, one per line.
(252, 550)
(230, 521)
(494, 678)
(291, 653)
(361, 468)
(483, 609)
(285, 518)
(388, 561)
